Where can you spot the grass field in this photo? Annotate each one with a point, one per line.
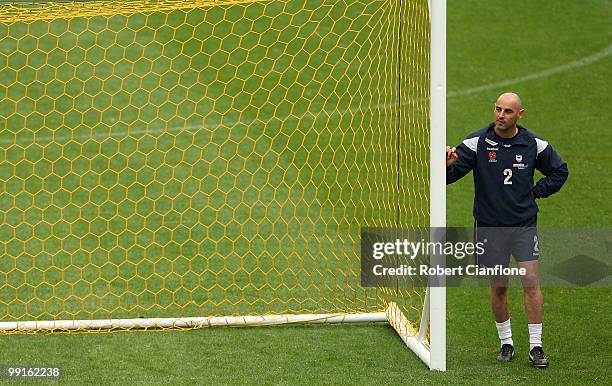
(488, 43)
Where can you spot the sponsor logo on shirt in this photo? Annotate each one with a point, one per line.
(520, 166)
(492, 148)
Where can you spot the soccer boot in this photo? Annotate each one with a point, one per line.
(506, 353)
(537, 357)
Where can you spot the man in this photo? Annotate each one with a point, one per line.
(504, 156)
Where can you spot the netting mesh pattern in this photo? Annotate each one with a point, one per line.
(171, 158)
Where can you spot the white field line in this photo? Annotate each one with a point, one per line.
(536, 75)
(210, 126)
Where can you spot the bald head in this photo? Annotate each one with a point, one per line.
(508, 110)
(510, 98)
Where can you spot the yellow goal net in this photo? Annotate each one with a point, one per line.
(162, 160)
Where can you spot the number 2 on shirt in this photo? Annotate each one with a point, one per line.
(508, 174)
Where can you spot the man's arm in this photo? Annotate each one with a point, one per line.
(554, 169)
(463, 160)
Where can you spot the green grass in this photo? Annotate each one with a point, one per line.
(488, 42)
(364, 354)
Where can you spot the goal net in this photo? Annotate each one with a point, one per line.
(182, 164)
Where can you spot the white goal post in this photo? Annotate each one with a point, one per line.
(437, 294)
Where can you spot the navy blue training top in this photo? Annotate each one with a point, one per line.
(503, 174)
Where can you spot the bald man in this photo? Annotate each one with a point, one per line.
(504, 156)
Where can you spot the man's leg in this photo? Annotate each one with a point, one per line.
(499, 305)
(533, 308)
(533, 295)
(499, 298)
(496, 253)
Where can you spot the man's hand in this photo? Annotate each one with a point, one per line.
(451, 156)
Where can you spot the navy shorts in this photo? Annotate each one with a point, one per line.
(520, 241)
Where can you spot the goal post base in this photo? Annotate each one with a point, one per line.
(408, 333)
(393, 315)
(189, 322)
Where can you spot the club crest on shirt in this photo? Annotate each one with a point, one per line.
(492, 156)
(519, 165)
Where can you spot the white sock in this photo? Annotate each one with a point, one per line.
(504, 331)
(535, 335)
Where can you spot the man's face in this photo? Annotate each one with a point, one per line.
(507, 113)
